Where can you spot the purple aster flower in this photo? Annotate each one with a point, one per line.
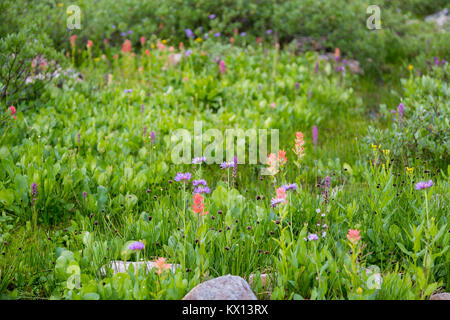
(128, 90)
(312, 237)
(129, 32)
(183, 176)
(243, 34)
(198, 160)
(443, 62)
(212, 16)
(393, 111)
(275, 201)
(189, 33)
(200, 181)
(137, 245)
(123, 34)
(113, 26)
(291, 186)
(188, 53)
(269, 31)
(423, 185)
(217, 34)
(227, 165)
(340, 69)
(297, 86)
(202, 190)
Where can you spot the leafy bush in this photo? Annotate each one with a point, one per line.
(421, 130)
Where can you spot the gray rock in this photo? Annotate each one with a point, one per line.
(440, 296)
(122, 266)
(222, 288)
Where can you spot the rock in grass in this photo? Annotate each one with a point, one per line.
(222, 288)
(440, 296)
(122, 266)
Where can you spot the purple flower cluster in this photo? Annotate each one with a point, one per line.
(212, 16)
(197, 182)
(400, 110)
(128, 90)
(202, 190)
(34, 192)
(183, 176)
(198, 160)
(188, 53)
(137, 245)
(152, 136)
(312, 237)
(423, 185)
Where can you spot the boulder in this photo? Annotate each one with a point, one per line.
(440, 18)
(222, 288)
(440, 296)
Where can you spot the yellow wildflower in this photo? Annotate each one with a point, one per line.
(198, 40)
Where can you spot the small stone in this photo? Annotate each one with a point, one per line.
(222, 288)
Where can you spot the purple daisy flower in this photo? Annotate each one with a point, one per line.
(212, 16)
(291, 186)
(128, 90)
(137, 245)
(188, 53)
(217, 34)
(275, 201)
(269, 31)
(227, 165)
(423, 185)
(182, 176)
(243, 34)
(200, 181)
(198, 160)
(202, 190)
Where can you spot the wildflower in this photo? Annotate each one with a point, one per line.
(181, 45)
(206, 190)
(182, 176)
(409, 170)
(359, 290)
(299, 142)
(337, 54)
(200, 181)
(353, 236)
(199, 40)
(152, 136)
(115, 57)
(142, 40)
(189, 33)
(198, 206)
(386, 152)
(217, 34)
(232, 40)
(269, 31)
(312, 237)
(324, 234)
(297, 86)
(423, 185)
(188, 53)
(291, 186)
(400, 110)
(280, 197)
(89, 44)
(73, 40)
(161, 265)
(123, 34)
(273, 105)
(84, 194)
(222, 67)
(34, 192)
(136, 246)
(128, 90)
(198, 160)
(410, 67)
(212, 16)
(314, 135)
(243, 34)
(126, 46)
(227, 165)
(258, 40)
(13, 111)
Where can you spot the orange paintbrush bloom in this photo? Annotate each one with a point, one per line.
(353, 236)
